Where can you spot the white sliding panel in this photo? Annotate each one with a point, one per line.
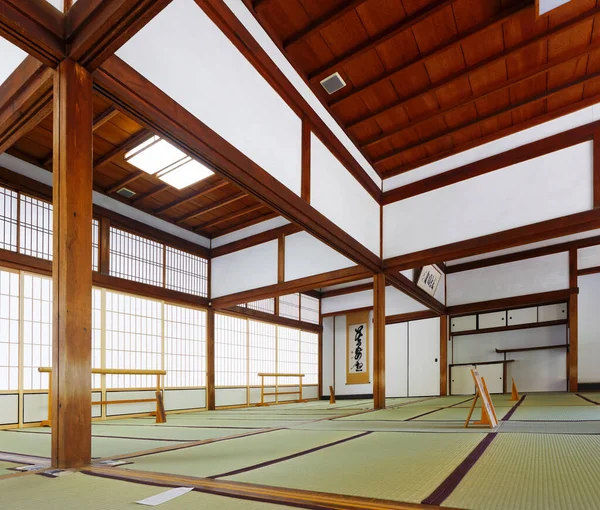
(423, 357)
(396, 360)
(336, 194)
(589, 328)
(518, 195)
(530, 276)
(307, 256)
(588, 257)
(244, 269)
(188, 57)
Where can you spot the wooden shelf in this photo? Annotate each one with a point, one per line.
(524, 349)
(510, 328)
(481, 363)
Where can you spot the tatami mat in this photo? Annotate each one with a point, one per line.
(78, 491)
(7, 468)
(402, 467)
(533, 472)
(551, 413)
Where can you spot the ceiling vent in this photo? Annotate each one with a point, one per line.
(127, 193)
(333, 83)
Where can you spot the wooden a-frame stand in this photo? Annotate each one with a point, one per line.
(488, 413)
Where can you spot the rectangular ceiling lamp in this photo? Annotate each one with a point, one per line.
(154, 156)
(184, 175)
(545, 6)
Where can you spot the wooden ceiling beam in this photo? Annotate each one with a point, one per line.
(96, 29)
(193, 196)
(36, 27)
(371, 44)
(229, 217)
(212, 207)
(494, 59)
(151, 107)
(538, 97)
(128, 179)
(152, 193)
(26, 100)
(321, 23)
(404, 285)
(129, 144)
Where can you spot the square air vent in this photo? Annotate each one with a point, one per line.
(333, 83)
(127, 193)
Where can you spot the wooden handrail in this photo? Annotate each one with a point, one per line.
(262, 376)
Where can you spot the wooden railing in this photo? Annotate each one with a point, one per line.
(160, 408)
(277, 392)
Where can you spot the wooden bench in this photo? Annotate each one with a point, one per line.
(160, 408)
(277, 392)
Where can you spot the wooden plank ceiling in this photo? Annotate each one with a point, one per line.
(430, 78)
(211, 207)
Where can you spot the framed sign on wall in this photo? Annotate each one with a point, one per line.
(357, 348)
(429, 279)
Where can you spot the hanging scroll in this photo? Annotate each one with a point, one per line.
(429, 279)
(357, 348)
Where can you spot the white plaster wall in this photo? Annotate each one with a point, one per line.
(247, 269)
(588, 318)
(396, 360)
(588, 257)
(541, 274)
(518, 195)
(361, 299)
(397, 302)
(243, 233)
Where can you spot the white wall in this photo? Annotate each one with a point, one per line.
(336, 194)
(243, 233)
(589, 328)
(307, 256)
(518, 195)
(363, 299)
(12, 56)
(397, 302)
(588, 257)
(247, 269)
(541, 274)
(396, 360)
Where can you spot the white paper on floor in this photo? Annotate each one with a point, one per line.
(165, 496)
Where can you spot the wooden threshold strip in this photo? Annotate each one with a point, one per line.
(254, 492)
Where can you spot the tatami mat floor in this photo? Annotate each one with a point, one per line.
(543, 455)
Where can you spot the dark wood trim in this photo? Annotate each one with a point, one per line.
(344, 312)
(542, 298)
(248, 242)
(210, 360)
(527, 349)
(347, 290)
(443, 355)
(573, 353)
(34, 26)
(96, 30)
(306, 136)
(558, 227)
(379, 341)
(239, 35)
(281, 258)
(588, 270)
(104, 245)
(596, 156)
(513, 327)
(503, 361)
(151, 107)
(410, 316)
(524, 255)
(22, 262)
(403, 284)
(497, 162)
(229, 217)
(272, 318)
(290, 287)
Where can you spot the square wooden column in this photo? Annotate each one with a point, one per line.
(443, 355)
(573, 356)
(210, 359)
(72, 267)
(379, 341)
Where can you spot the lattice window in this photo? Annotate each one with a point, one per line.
(231, 351)
(135, 258)
(96, 336)
(262, 338)
(95, 244)
(186, 272)
(37, 330)
(8, 219)
(289, 306)
(263, 305)
(133, 339)
(9, 330)
(309, 309)
(288, 353)
(185, 346)
(35, 227)
(309, 357)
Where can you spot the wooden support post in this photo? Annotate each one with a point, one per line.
(596, 160)
(573, 352)
(72, 267)
(210, 359)
(104, 239)
(379, 341)
(443, 355)
(306, 136)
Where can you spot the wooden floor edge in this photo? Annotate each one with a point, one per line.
(279, 495)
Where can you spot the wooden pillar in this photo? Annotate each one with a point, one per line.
(104, 240)
(573, 356)
(210, 359)
(379, 341)
(305, 162)
(72, 266)
(596, 160)
(443, 355)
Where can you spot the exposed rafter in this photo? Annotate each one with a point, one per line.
(212, 207)
(248, 223)
(134, 141)
(209, 188)
(128, 179)
(229, 217)
(152, 193)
